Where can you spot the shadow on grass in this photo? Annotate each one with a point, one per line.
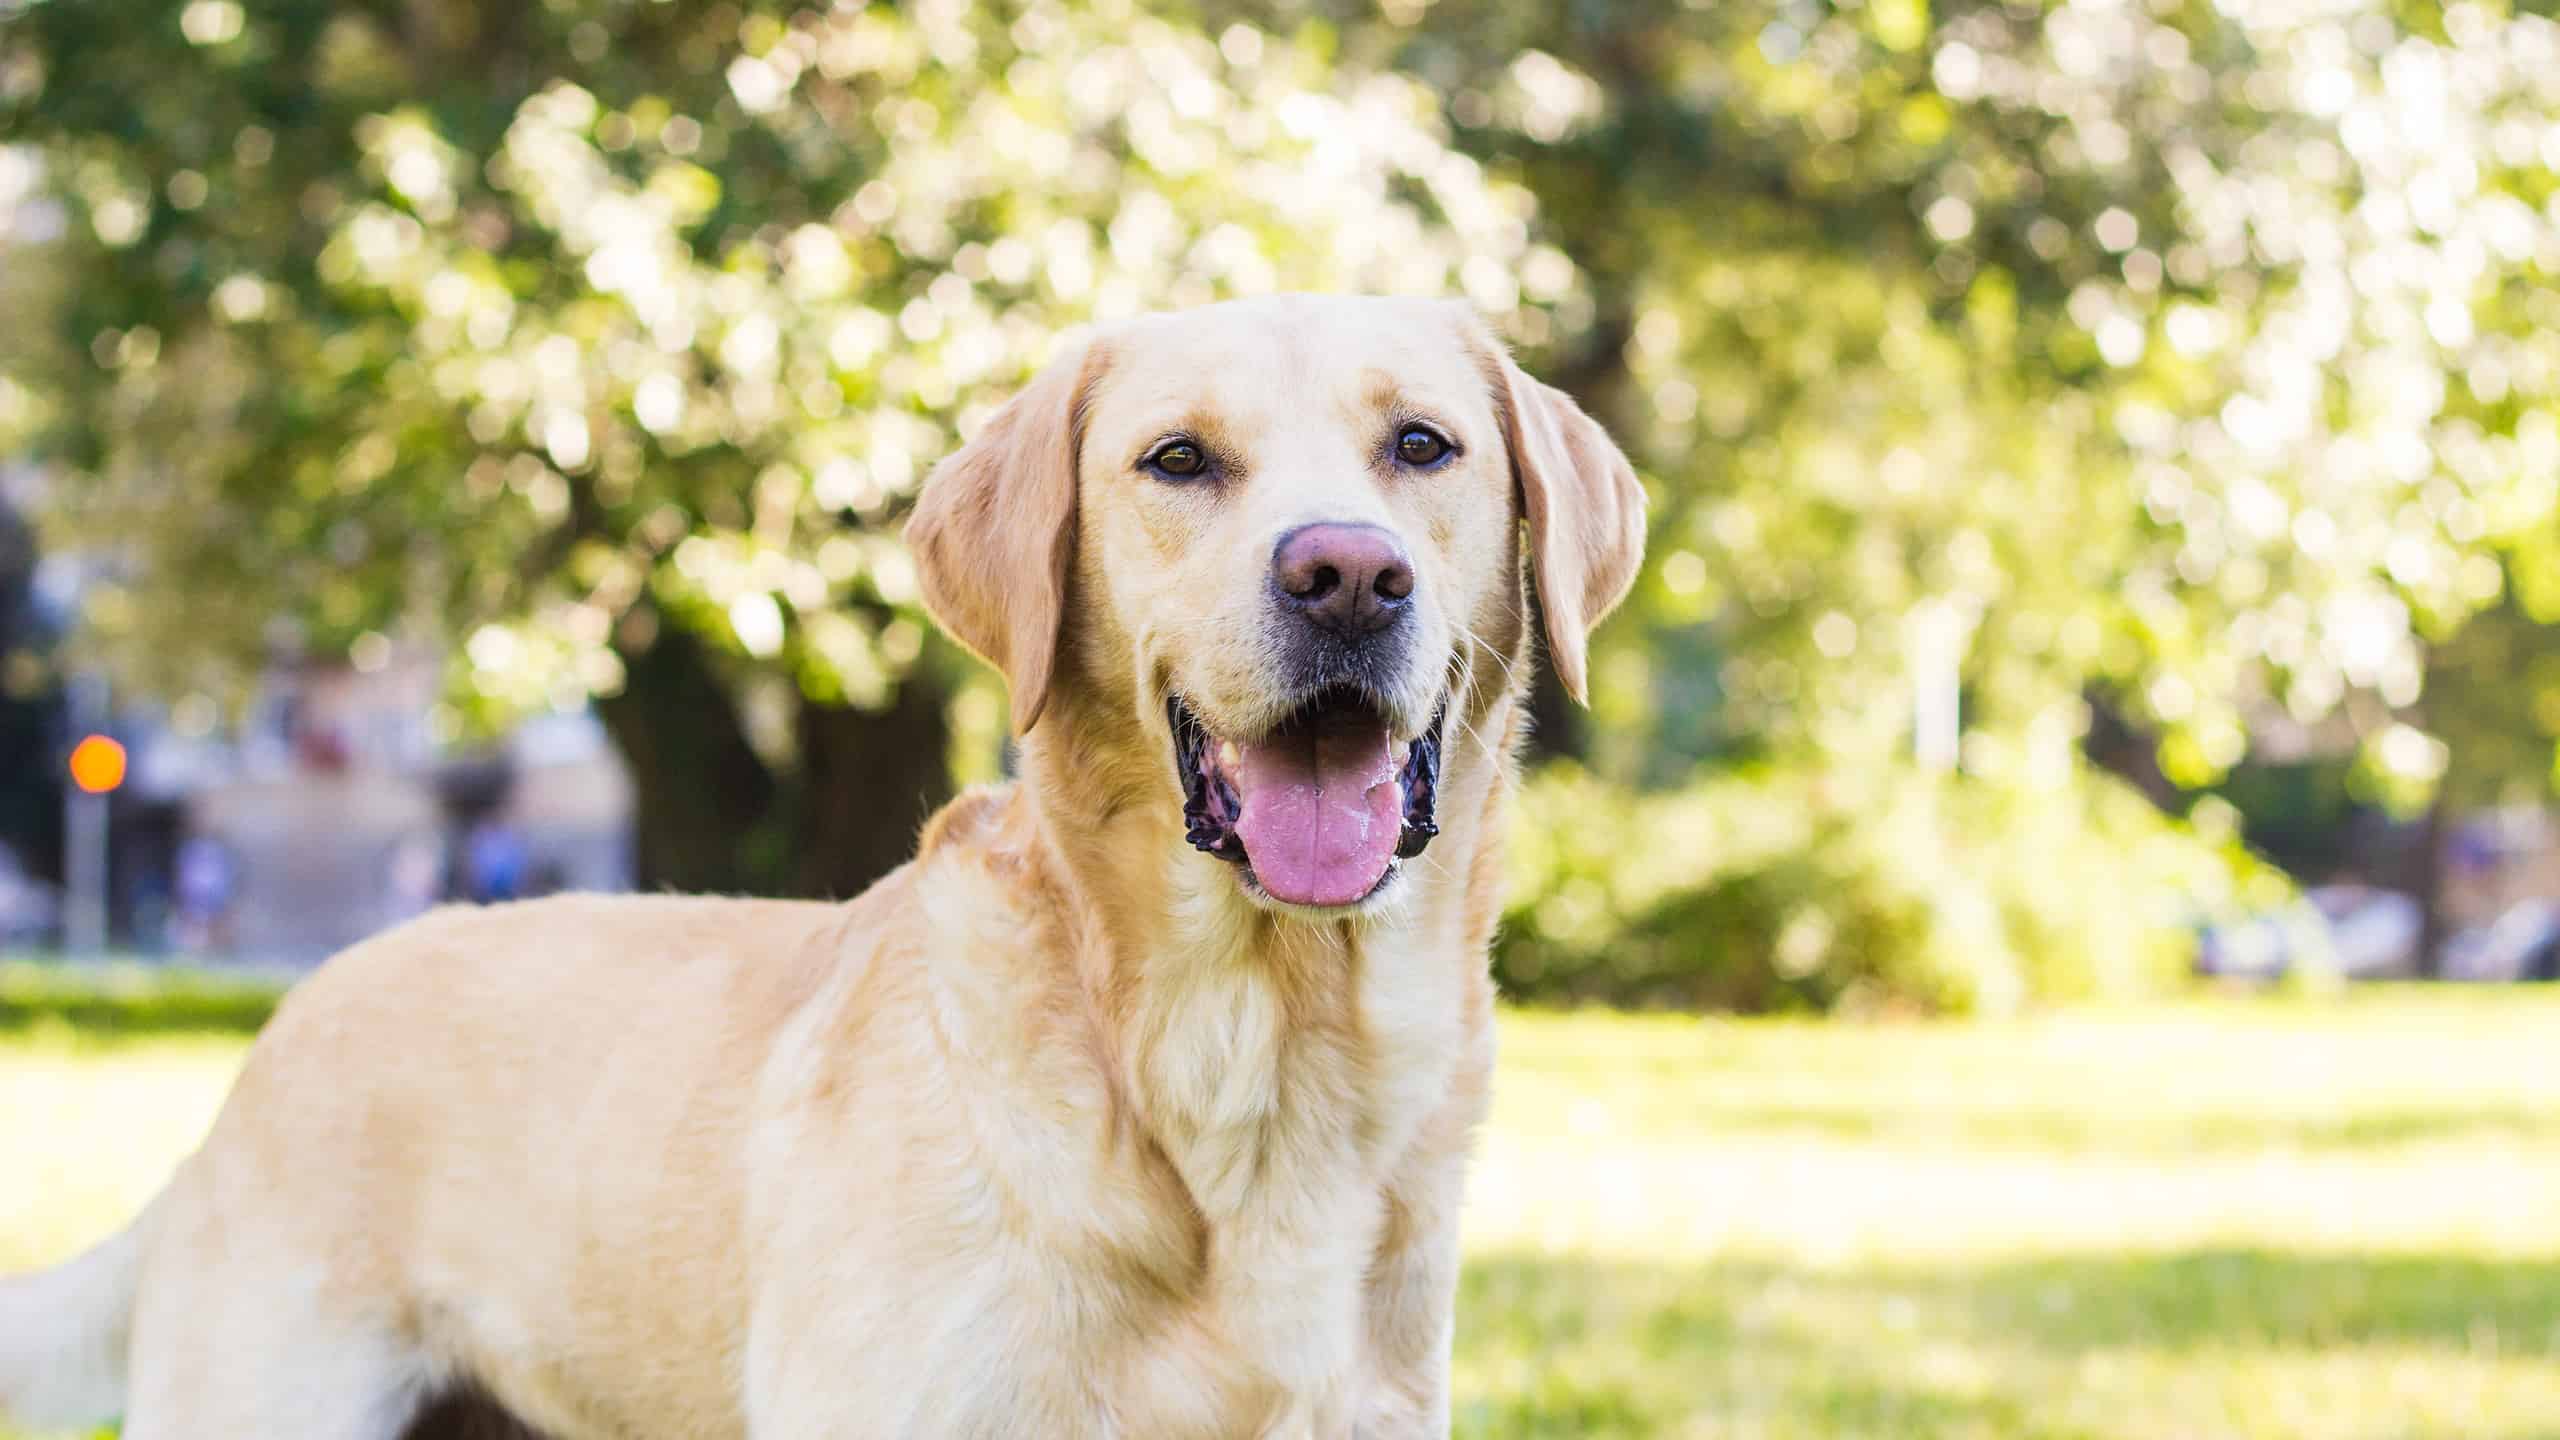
(2224, 1343)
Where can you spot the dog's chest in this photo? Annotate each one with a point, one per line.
(1223, 1085)
(1264, 1085)
(1170, 1244)
(1280, 1112)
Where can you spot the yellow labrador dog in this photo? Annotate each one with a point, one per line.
(1137, 1105)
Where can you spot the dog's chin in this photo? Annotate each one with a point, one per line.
(1316, 813)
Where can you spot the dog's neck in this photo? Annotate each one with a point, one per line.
(1277, 1067)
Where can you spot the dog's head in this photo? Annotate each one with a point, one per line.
(1270, 536)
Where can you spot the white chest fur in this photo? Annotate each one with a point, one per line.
(1283, 1068)
(1029, 1240)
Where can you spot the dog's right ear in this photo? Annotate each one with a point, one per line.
(994, 530)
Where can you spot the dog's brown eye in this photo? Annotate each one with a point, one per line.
(1417, 446)
(1179, 458)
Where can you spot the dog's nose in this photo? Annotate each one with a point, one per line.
(1352, 579)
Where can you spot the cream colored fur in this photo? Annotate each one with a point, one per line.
(1056, 1132)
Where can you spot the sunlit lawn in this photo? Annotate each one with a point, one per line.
(2225, 1220)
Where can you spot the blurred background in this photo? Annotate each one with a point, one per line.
(2105, 472)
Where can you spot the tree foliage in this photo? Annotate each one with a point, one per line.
(2192, 364)
(2182, 365)
(607, 343)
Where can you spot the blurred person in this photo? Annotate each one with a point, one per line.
(494, 861)
(207, 880)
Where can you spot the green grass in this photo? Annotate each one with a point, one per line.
(2218, 1220)
(134, 998)
(2230, 1219)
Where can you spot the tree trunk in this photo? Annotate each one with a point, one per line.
(712, 818)
(867, 781)
(2428, 881)
(2429, 873)
(700, 790)
(2119, 745)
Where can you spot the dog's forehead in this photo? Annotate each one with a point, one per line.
(1290, 359)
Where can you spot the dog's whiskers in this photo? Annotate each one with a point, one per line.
(1510, 677)
(1510, 671)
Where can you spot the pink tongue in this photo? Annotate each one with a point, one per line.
(1321, 811)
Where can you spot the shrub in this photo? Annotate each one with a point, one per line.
(1793, 886)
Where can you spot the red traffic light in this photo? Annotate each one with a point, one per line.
(97, 765)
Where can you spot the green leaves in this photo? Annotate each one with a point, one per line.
(2205, 361)
(454, 304)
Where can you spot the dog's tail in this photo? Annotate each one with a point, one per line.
(63, 1336)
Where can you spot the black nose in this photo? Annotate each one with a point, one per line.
(1351, 579)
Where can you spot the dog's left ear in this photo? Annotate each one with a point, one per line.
(994, 531)
(1584, 508)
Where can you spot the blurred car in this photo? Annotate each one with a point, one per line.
(2361, 932)
(2523, 943)
(2257, 947)
(29, 908)
(2375, 932)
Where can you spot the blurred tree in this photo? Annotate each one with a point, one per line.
(2203, 352)
(2178, 370)
(2174, 370)
(608, 340)
(31, 719)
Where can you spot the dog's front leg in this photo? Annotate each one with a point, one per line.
(1411, 1297)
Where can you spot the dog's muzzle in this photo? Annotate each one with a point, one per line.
(1318, 811)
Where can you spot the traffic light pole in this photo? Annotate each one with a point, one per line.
(84, 833)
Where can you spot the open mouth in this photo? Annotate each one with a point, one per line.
(1318, 811)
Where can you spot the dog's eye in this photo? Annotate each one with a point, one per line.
(1178, 458)
(1419, 445)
